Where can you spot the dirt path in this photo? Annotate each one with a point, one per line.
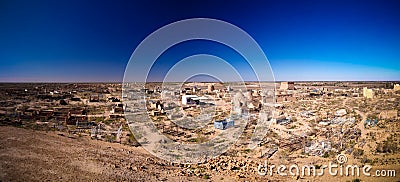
(360, 125)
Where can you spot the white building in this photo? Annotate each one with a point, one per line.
(186, 99)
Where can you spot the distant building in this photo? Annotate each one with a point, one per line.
(155, 113)
(210, 88)
(255, 93)
(287, 86)
(285, 97)
(113, 99)
(72, 120)
(94, 98)
(189, 99)
(368, 93)
(117, 109)
(396, 87)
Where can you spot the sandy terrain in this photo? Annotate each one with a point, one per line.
(27, 155)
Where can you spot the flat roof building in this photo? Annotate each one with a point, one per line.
(396, 87)
(368, 93)
(287, 86)
(188, 99)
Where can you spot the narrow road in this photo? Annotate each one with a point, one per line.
(360, 124)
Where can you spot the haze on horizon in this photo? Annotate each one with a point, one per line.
(92, 41)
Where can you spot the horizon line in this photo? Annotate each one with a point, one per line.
(82, 82)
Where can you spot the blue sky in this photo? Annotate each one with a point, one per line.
(84, 41)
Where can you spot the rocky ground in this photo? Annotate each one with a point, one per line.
(31, 155)
(28, 155)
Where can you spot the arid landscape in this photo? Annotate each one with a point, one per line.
(209, 90)
(28, 155)
(75, 132)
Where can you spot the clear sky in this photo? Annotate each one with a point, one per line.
(84, 41)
